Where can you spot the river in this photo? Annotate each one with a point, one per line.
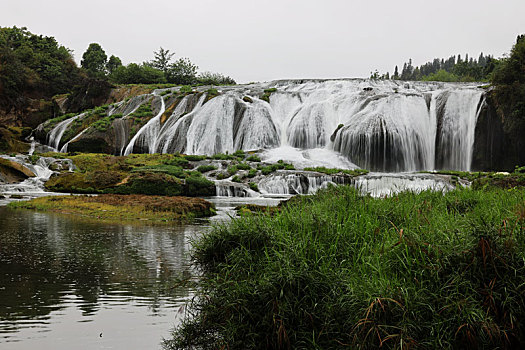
(70, 283)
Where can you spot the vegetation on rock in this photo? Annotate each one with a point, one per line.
(119, 207)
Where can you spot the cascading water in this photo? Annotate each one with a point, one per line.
(377, 125)
(146, 137)
(56, 134)
(34, 185)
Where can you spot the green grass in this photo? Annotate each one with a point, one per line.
(280, 165)
(206, 168)
(253, 158)
(341, 271)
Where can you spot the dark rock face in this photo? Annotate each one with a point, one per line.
(489, 142)
(494, 146)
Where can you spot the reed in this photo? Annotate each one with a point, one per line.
(342, 270)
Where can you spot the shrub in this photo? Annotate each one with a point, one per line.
(206, 168)
(186, 89)
(252, 173)
(253, 158)
(194, 158)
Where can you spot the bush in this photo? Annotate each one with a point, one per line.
(194, 158)
(252, 173)
(253, 158)
(186, 89)
(206, 168)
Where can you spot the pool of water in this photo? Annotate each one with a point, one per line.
(70, 283)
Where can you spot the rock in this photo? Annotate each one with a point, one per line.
(13, 172)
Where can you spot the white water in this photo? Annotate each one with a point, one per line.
(33, 186)
(56, 134)
(377, 125)
(147, 135)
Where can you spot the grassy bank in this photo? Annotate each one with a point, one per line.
(338, 270)
(112, 207)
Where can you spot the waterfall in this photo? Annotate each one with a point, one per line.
(146, 137)
(457, 123)
(298, 182)
(55, 135)
(388, 126)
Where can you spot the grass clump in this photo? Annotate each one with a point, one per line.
(186, 89)
(267, 93)
(280, 165)
(206, 168)
(338, 270)
(253, 186)
(253, 158)
(194, 158)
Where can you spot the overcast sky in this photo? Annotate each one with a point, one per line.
(266, 40)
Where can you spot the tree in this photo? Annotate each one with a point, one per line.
(162, 60)
(209, 78)
(396, 74)
(113, 63)
(94, 60)
(182, 72)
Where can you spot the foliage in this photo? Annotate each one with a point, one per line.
(280, 165)
(33, 66)
(186, 89)
(253, 186)
(338, 270)
(441, 75)
(253, 158)
(183, 71)
(509, 95)
(113, 63)
(449, 70)
(206, 168)
(162, 60)
(94, 60)
(209, 78)
(137, 74)
(267, 93)
(194, 157)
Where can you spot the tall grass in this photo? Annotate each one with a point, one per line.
(339, 270)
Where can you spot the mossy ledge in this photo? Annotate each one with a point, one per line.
(113, 207)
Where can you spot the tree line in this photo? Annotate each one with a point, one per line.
(161, 69)
(454, 68)
(37, 67)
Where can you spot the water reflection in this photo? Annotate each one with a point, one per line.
(70, 283)
(53, 266)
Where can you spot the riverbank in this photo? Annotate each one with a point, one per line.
(339, 270)
(111, 207)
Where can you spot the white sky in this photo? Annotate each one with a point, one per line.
(266, 40)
